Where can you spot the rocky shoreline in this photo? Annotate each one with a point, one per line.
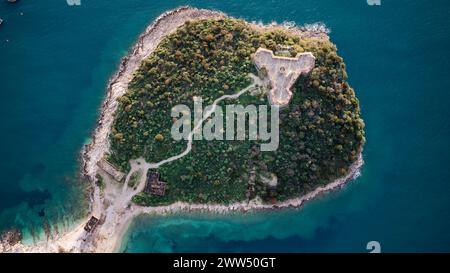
(256, 204)
(242, 207)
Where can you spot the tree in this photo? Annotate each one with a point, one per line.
(159, 137)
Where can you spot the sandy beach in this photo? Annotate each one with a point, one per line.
(113, 205)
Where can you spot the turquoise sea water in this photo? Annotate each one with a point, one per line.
(55, 61)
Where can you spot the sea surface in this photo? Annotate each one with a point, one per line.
(56, 59)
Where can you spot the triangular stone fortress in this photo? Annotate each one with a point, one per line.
(282, 72)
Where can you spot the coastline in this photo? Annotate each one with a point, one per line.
(244, 207)
(256, 204)
(118, 216)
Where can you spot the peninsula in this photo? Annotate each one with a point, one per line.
(135, 166)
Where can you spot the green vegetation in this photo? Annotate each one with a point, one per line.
(100, 183)
(321, 132)
(134, 179)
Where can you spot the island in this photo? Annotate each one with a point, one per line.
(292, 76)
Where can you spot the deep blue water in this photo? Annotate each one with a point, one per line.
(55, 61)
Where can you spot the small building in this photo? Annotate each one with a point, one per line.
(153, 185)
(111, 170)
(91, 224)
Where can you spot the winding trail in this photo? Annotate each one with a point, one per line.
(256, 81)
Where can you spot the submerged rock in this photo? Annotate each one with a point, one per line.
(11, 237)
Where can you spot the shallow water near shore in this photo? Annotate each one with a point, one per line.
(53, 74)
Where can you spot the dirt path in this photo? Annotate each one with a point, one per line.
(256, 81)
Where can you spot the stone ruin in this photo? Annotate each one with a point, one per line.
(282, 72)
